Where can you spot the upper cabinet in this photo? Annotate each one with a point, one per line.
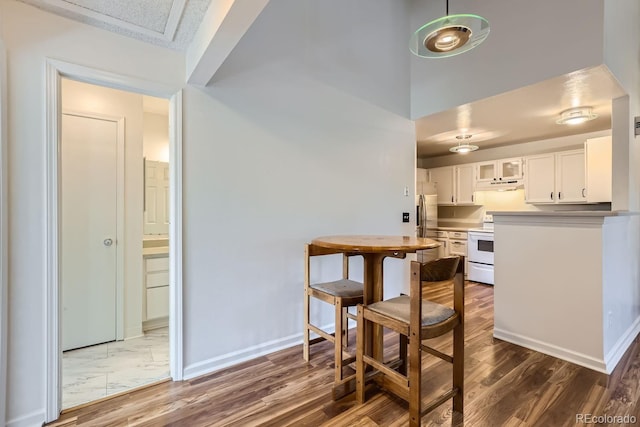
(574, 176)
(454, 184)
(489, 174)
(556, 178)
(598, 159)
(156, 197)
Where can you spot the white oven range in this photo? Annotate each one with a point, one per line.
(480, 255)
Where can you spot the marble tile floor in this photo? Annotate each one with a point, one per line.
(94, 372)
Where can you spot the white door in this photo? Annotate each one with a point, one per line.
(88, 239)
(442, 178)
(156, 197)
(465, 184)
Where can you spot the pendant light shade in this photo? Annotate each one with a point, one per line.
(450, 35)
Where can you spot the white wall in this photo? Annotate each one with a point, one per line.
(86, 98)
(155, 138)
(622, 56)
(31, 36)
(529, 42)
(549, 284)
(300, 136)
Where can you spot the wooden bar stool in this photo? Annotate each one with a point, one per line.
(342, 293)
(416, 319)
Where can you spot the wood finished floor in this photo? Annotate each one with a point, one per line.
(505, 385)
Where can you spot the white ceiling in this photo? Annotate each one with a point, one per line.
(522, 115)
(168, 23)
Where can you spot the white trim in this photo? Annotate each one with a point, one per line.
(175, 238)
(120, 215)
(613, 357)
(168, 33)
(552, 350)
(4, 229)
(54, 70)
(33, 419)
(224, 361)
(53, 345)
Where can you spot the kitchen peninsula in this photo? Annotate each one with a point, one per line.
(566, 283)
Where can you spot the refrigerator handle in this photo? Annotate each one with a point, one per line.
(418, 215)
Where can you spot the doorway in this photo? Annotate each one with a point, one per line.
(132, 333)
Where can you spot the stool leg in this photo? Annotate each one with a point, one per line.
(338, 340)
(305, 344)
(345, 328)
(458, 367)
(360, 366)
(404, 342)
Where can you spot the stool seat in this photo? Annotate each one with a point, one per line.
(399, 309)
(344, 288)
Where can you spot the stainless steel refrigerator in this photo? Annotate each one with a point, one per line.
(427, 221)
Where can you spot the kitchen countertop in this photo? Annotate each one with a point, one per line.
(564, 213)
(160, 250)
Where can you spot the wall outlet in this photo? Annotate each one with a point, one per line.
(405, 216)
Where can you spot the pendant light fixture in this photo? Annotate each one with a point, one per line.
(449, 35)
(463, 147)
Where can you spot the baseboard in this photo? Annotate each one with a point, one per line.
(235, 357)
(581, 359)
(160, 322)
(33, 419)
(133, 333)
(224, 361)
(621, 346)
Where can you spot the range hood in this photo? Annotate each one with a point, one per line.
(500, 185)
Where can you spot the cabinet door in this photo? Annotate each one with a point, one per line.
(539, 179)
(442, 178)
(570, 176)
(599, 166)
(486, 171)
(465, 184)
(510, 168)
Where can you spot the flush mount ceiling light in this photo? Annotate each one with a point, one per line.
(575, 116)
(465, 147)
(449, 35)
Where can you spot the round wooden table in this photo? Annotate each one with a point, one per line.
(374, 249)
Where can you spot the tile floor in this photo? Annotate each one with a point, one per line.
(94, 372)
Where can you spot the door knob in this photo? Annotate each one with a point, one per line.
(108, 242)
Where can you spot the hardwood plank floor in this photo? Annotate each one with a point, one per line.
(505, 385)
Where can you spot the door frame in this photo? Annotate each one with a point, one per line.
(4, 230)
(120, 214)
(54, 71)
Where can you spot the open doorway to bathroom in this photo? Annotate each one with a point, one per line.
(114, 241)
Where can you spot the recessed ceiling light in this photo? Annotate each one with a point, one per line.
(575, 116)
(449, 35)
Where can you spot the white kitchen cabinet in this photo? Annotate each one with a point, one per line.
(570, 177)
(555, 178)
(465, 184)
(598, 159)
(443, 180)
(454, 184)
(156, 197)
(156, 281)
(498, 170)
